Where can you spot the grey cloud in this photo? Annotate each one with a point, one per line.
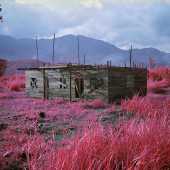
(161, 20)
(144, 26)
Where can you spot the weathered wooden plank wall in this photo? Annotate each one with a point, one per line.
(96, 84)
(125, 82)
(107, 84)
(58, 83)
(34, 83)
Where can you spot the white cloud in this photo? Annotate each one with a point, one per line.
(51, 4)
(139, 2)
(92, 3)
(31, 1)
(108, 20)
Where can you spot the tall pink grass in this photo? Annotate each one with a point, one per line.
(159, 78)
(140, 142)
(13, 82)
(146, 107)
(132, 145)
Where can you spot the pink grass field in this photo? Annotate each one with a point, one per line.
(37, 134)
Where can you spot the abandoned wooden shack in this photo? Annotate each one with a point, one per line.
(76, 82)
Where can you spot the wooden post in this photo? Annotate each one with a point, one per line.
(78, 49)
(130, 57)
(53, 50)
(133, 64)
(44, 86)
(37, 52)
(85, 59)
(107, 64)
(70, 87)
(110, 63)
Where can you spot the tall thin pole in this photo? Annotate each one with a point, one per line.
(84, 59)
(73, 49)
(37, 51)
(53, 50)
(78, 49)
(70, 86)
(130, 56)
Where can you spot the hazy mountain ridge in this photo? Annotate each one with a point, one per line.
(96, 51)
(13, 66)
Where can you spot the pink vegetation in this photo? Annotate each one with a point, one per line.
(136, 144)
(142, 142)
(159, 78)
(160, 73)
(139, 142)
(13, 83)
(95, 104)
(147, 107)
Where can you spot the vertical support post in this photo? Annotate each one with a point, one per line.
(130, 57)
(44, 85)
(133, 64)
(78, 49)
(70, 86)
(37, 52)
(107, 64)
(53, 56)
(85, 59)
(110, 63)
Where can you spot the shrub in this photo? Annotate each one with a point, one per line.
(13, 83)
(160, 73)
(95, 104)
(132, 145)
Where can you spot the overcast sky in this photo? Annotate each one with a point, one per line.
(144, 23)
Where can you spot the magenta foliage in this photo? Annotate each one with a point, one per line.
(159, 78)
(95, 104)
(159, 73)
(132, 145)
(146, 106)
(13, 83)
(139, 142)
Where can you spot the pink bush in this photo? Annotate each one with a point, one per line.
(132, 145)
(13, 83)
(95, 104)
(158, 84)
(159, 73)
(159, 79)
(146, 107)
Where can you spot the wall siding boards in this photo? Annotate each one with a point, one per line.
(107, 84)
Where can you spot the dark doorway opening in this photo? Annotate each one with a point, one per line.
(79, 87)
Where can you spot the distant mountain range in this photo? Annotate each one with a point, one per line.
(66, 50)
(13, 65)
